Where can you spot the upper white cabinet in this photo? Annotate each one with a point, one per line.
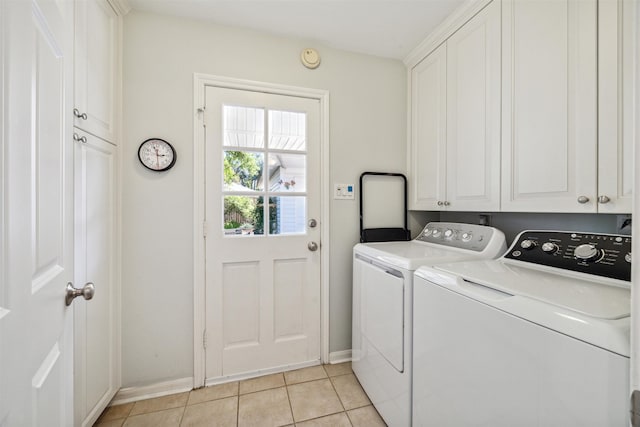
(549, 116)
(429, 131)
(455, 135)
(616, 47)
(97, 28)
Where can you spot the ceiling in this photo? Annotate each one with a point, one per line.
(386, 28)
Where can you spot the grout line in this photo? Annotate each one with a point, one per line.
(286, 387)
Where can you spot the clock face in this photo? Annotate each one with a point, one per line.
(157, 154)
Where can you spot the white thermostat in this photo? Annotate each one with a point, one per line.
(343, 191)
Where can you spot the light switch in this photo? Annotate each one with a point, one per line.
(343, 192)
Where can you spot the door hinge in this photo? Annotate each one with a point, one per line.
(635, 408)
(204, 229)
(202, 111)
(204, 339)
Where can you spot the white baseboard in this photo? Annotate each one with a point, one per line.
(132, 394)
(340, 356)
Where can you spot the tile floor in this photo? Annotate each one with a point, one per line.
(327, 395)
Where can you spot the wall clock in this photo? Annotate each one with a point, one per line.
(157, 155)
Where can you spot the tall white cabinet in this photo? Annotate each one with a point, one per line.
(455, 135)
(549, 118)
(97, 84)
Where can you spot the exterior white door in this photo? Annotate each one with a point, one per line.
(96, 340)
(36, 369)
(263, 231)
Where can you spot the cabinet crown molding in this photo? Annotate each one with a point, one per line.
(449, 26)
(122, 7)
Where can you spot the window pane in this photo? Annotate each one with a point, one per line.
(243, 127)
(287, 130)
(243, 171)
(287, 172)
(241, 214)
(287, 215)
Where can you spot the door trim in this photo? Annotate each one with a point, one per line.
(200, 82)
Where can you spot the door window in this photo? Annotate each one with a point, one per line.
(247, 183)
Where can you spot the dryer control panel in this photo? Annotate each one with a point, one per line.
(464, 236)
(606, 255)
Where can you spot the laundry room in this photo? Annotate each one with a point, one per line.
(306, 212)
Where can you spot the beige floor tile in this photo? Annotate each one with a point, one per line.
(338, 369)
(213, 392)
(261, 383)
(166, 418)
(116, 412)
(215, 413)
(365, 417)
(159, 403)
(350, 392)
(335, 420)
(313, 399)
(268, 408)
(111, 423)
(305, 374)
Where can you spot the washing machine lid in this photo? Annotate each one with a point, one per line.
(414, 254)
(592, 298)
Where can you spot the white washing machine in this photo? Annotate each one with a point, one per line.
(382, 306)
(539, 337)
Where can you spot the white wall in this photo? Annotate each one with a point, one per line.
(368, 132)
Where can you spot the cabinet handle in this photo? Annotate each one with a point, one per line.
(583, 199)
(440, 203)
(78, 138)
(82, 116)
(446, 203)
(603, 199)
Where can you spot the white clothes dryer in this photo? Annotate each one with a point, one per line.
(539, 337)
(382, 306)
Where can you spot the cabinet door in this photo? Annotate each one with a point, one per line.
(427, 154)
(473, 113)
(616, 48)
(549, 99)
(96, 62)
(96, 343)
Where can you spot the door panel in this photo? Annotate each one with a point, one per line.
(36, 369)
(429, 131)
(473, 113)
(549, 106)
(262, 282)
(95, 329)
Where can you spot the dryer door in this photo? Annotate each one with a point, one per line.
(382, 292)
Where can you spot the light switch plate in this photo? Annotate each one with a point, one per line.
(343, 191)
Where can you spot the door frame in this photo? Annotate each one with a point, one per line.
(200, 82)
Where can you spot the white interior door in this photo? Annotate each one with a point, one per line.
(96, 338)
(262, 249)
(36, 371)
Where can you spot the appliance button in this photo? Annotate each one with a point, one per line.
(618, 239)
(437, 233)
(448, 234)
(549, 248)
(627, 257)
(588, 253)
(516, 253)
(528, 244)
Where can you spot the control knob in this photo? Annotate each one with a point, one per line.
(528, 244)
(436, 233)
(549, 248)
(588, 252)
(466, 237)
(448, 234)
(627, 257)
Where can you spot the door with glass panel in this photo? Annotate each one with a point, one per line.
(263, 231)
